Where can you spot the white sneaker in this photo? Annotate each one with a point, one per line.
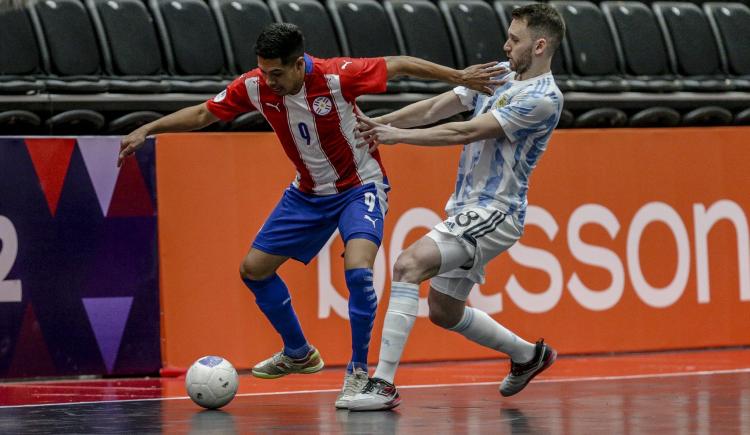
(521, 374)
(354, 382)
(378, 395)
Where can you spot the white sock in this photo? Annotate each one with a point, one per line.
(399, 319)
(479, 327)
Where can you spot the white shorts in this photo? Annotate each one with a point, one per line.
(467, 242)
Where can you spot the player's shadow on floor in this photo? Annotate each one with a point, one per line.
(379, 422)
(518, 422)
(214, 422)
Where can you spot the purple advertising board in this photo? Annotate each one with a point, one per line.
(79, 291)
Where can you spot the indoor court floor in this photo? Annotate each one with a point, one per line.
(688, 392)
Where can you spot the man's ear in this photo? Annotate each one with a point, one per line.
(540, 45)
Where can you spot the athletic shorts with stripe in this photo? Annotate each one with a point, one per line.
(467, 242)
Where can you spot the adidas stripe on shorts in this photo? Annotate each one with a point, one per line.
(467, 242)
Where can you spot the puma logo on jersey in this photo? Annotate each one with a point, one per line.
(371, 220)
(275, 106)
(345, 64)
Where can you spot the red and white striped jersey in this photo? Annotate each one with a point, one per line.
(317, 125)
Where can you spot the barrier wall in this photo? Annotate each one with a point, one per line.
(635, 240)
(78, 259)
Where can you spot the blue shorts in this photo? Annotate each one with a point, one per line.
(301, 223)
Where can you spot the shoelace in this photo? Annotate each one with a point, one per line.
(352, 385)
(369, 387)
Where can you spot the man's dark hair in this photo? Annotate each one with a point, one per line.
(280, 41)
(544, 21)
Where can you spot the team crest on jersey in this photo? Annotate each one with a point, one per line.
(502, 101)
(322, 105)
(218, 98)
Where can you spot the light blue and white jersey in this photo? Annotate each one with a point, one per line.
(495, 172)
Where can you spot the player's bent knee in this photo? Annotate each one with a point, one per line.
(443, 318)
(251, 272)
(407, 269)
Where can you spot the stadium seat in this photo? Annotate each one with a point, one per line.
(355, 22)
(478, 36)
(593, 59)
(641, 48)
(192, 46)
(20, 58)
(742, 118)
(241, 21)
(78, 121)
(18, 122)
(566, 119)
(731, 25)
(655, 117)
(130, 46)
(251, 121)
(601, 117)
(421, 32)
(313, 20)
(559, 64)
(130, 121)
(692, 47)
(707, 116)
(69, 48)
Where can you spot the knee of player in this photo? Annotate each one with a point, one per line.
(443, 318)
(250, 273)
(407, 268)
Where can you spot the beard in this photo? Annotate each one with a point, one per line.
(521, 63)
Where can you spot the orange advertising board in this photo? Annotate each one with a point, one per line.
(635, 240)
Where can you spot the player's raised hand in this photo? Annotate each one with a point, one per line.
(481, 77)
(130, 144)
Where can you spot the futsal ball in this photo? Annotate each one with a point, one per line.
(211, 382)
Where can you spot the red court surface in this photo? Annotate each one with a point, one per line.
(671, 392)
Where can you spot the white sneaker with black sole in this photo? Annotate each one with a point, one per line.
(522, 373)
(377, 395)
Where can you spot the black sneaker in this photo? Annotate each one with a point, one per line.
(377, 395)
(521, 374)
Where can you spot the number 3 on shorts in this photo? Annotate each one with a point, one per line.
(370, 201)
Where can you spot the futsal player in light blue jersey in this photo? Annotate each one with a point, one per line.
(504, 139)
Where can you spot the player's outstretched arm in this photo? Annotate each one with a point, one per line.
(187, 119)
(476, 77)
(453, 133)
(424, 112)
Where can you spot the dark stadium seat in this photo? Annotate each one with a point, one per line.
(601, 117)
(130, 46)
(313, 20)
(192, 45)
(475, 29)
(559, 64)
(566, 119)
(593, 59)
(130, 121)
(73, 60)
(731, 25)
(77, 121)
(20, 58)
(655, 117)
(641, 48)
(421, 32)
(241, 21)
(742, 117)
(18, 122)
(692, 47)
(707, 116)
(355, 22)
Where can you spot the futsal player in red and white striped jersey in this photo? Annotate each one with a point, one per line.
(310, 103)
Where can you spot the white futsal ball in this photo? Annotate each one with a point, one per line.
(211, 382)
